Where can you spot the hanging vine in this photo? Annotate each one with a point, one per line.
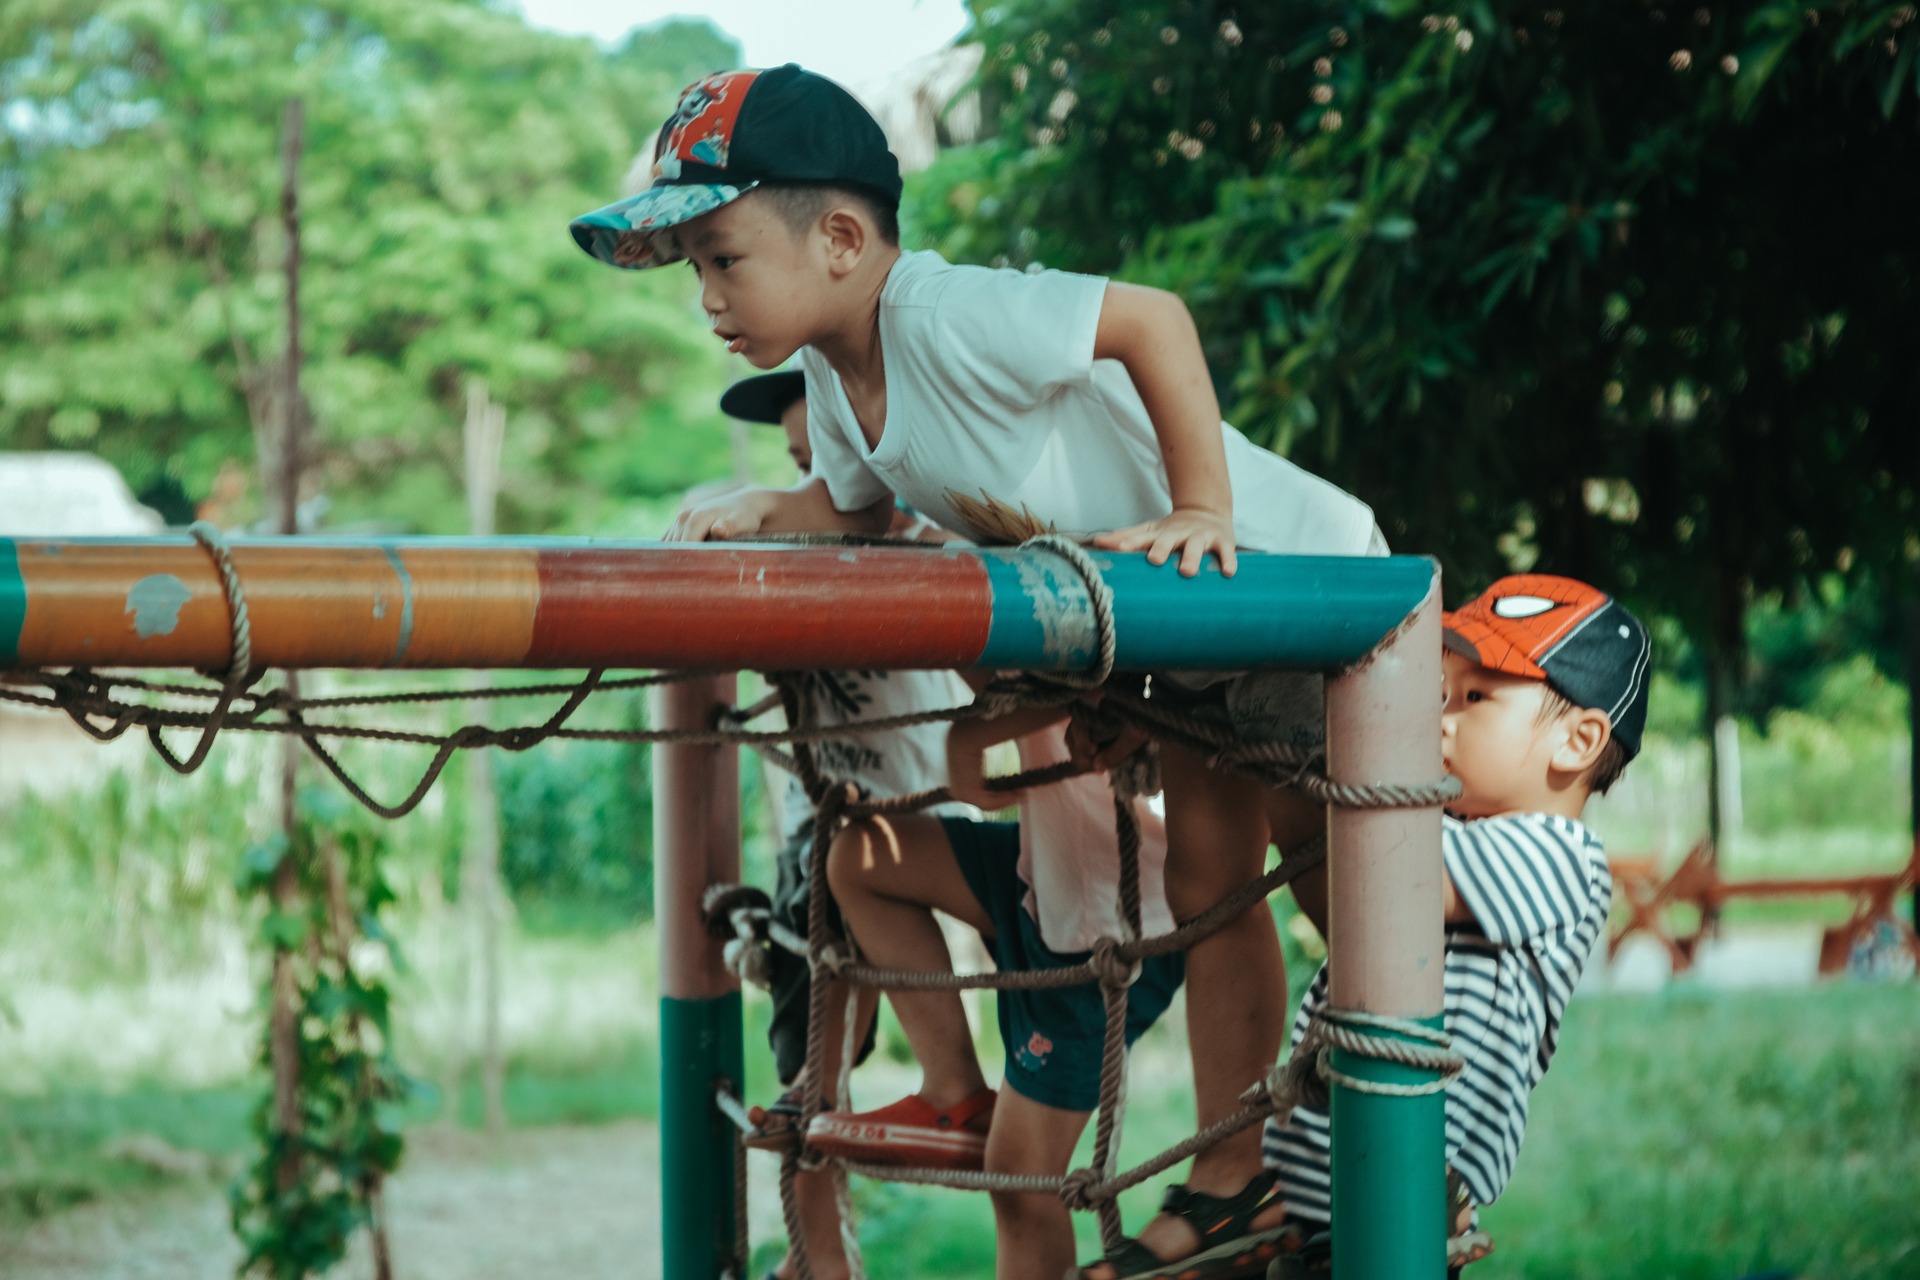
(317, 1181)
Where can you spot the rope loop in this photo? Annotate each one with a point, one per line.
(1099, 598)
(834, 958)
(1110, 966)
(1293, 1080)
(239, 659)
(1405, 1042)
(1080, 1189)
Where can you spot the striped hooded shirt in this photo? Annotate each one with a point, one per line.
(1538, 888)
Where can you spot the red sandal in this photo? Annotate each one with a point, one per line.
(909, 1132)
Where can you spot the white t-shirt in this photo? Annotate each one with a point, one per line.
(1539, 888)
(894, 762)
(1070, 855)
(1001, 424)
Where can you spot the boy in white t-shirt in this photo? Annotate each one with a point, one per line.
(1040, 892)
(1003, 404)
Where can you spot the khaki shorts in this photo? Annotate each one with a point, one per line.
(1288, 707)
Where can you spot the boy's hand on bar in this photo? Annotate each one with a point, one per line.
(1193, 532)
(739, 514)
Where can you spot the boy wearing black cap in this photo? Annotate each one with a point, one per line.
(1546, 687)
(774, 400)
(888, 763)
(1003, 404)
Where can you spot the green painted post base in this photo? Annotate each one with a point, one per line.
(700, 1045)
(1389, 1175)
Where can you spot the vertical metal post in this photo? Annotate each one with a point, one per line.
(1387, 956)
(696, 842)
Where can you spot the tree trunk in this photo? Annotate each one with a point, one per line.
(284, 491)
(1725, 650)
(485, 433)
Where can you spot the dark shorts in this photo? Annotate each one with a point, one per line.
(789, 980)
(1053, 1037)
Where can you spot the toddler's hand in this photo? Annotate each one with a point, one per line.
(734, 515)
(1192, 531)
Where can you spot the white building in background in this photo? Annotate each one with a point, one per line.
(67, 495)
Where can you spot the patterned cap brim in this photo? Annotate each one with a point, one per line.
(626, 233)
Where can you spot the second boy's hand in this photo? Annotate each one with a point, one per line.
(805, 508)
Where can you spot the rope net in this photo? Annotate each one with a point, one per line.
(108, 705)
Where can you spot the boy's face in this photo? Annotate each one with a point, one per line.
(1493, 739)
(760, 281)
(794, 423)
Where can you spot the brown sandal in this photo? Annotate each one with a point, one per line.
(775, 1127)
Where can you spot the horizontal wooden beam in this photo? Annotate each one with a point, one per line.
(559, 603)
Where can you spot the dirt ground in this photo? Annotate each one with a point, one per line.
(575, 1202)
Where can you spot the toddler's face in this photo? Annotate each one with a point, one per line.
(760, 282)
(1493, 740)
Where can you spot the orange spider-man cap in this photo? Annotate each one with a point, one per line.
(1577, 638)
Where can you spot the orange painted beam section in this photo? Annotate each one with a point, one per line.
(154, 604)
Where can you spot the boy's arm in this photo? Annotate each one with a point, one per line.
(967, 743)
(1150, 332)
(805, 508)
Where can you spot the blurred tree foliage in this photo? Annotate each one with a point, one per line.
(1624, 289)
(447, 145)
(577, 826)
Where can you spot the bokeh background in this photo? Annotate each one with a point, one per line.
(1622, 289)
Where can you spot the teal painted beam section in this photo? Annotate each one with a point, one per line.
(13, 603)
(700, 1045)
(1389, 1174)
(1313, 612)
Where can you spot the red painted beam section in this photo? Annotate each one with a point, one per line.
(722, 607)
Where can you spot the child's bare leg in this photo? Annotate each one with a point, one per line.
(1035, 1231)
(819, 1211)
(1217, 837)
(888, 875)
(820, 1219)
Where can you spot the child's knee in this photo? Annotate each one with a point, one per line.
(849, 858)
(1027, 1214)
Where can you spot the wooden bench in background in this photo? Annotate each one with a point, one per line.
(1650, 900)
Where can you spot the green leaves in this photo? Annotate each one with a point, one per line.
(345, 1143)
(447, 145)
(1464, 260)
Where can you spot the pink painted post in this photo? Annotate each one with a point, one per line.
(696, 842)
(1387, 956)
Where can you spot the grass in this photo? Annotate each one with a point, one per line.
(1716, 1135)
(1692, 1135)
(1687, 1134)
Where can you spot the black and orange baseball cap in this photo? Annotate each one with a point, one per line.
(1577, 638)
(730, 132)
